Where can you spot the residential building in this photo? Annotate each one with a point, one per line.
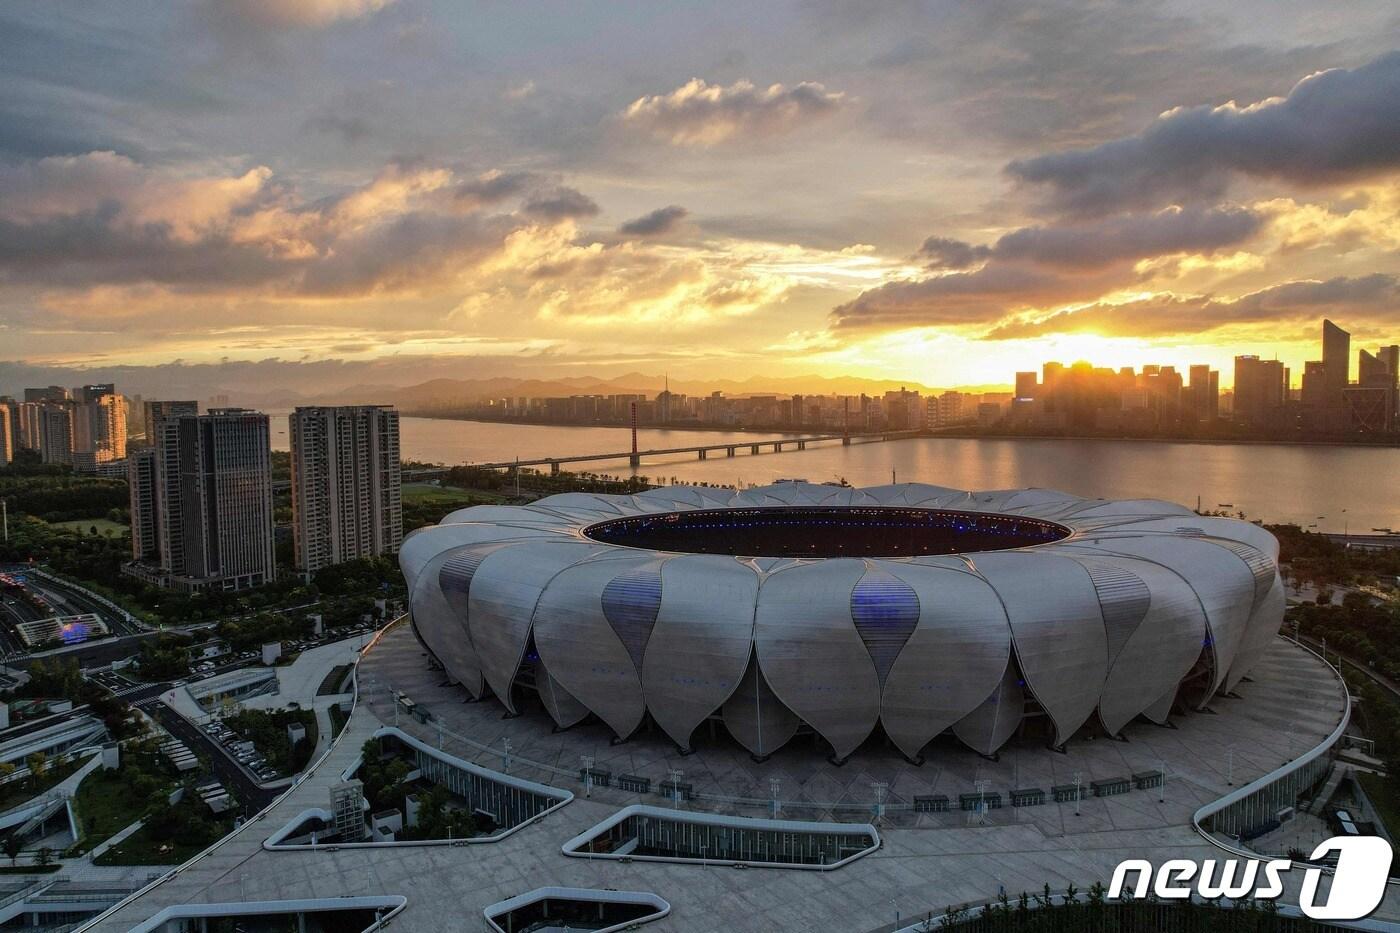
(7, 424)
(202, 499)
(346, 496)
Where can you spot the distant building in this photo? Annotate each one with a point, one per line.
(99, 423)
(53, 430)
(49, 394)
(8, 420)
(1336, 360)
(205, 490)
(346, 488)
(1261, 390)
(1026, 385)
(1204, 393)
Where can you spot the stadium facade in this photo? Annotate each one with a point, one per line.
(909, 608)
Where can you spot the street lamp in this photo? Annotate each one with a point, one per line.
(1078, 791)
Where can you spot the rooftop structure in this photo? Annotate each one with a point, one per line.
(906, 609)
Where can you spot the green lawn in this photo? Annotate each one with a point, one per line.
(84, 526)
(14, 793)
(142, 848)
(105, 805)
(1384, 797)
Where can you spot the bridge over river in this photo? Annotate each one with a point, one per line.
(730, 448)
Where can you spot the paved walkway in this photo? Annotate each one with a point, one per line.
(917, 870)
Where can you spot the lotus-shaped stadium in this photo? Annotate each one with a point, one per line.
(909, 608)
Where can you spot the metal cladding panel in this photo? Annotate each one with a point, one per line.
(1158, 651)
(682, 497)
(631, 601)
(1159, 710)
(885, 611)
(1204, 526)
(504, 591)
(1030, 501)
(1131, 507)
(1056, 628)
(899, 494)
(812, 654)
(423, 544)
(755, 716)
(583, 651)
(1123, 598)
(701, 642)
(953, 660)
(512, 514)
(1223, 583)
(443, 629)
(987, 728)
(1260, 565)
(1263, 626)
(562, 707)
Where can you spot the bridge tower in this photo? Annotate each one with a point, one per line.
(634, 460)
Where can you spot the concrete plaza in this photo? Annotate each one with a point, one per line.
(927, 861)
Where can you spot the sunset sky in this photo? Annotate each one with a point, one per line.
(944, 192)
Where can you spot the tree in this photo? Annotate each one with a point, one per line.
(45, 857)
(38, 764)
(13, 847)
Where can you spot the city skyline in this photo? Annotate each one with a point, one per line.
(929, 193)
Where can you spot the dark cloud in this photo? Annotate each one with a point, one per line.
(1334, 126)
(697, 113)
(1129, 237)
(1366, 296)
(493, 187)
(1037, 265)
(560, 203)
(661, 220)
(943, 253)
(960, 298)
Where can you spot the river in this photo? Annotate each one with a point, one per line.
(1337, 488)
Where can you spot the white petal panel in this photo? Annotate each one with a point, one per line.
(583, 650)
(558, 702)
(755, 716)
(1156, 652)
(505, 589)
(1057, 631)
(700, 644)
(1262, 629)
(1223, 583)
(811, 653)
(995, 720)
(953, 660)
(442, 629)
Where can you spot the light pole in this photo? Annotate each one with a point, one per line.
(1078, 790)
(773, 786)
(587, 762)
(1230, 766)
(879, 787)
(675, 774)
(1162, 784)
(505, 758)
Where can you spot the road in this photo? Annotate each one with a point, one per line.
(226, 768)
